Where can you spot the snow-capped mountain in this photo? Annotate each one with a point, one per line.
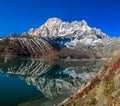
(77, 35)
(72, 33)
(55, 27)
(61, 39)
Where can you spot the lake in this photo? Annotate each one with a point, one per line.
(42, 82)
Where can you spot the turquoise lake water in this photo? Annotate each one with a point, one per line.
(42, 82)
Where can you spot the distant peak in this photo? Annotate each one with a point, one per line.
(84, 22)
(53, 19)
(53, 22)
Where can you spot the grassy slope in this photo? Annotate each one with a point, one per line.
(102, 90)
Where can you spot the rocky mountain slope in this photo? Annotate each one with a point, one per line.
(25, 46)
(78, 36)
(102, 90)
(62, 39)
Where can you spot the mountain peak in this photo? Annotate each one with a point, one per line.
(84, 22)
(55, 27)
(51, 22)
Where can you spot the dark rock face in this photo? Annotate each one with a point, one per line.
(25, 46)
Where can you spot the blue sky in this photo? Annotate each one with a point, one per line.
(21, 15)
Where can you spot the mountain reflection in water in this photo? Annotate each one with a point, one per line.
(55, 79)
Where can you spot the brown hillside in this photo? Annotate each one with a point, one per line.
(102, 90)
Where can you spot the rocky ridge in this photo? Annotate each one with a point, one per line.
(25, 46)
